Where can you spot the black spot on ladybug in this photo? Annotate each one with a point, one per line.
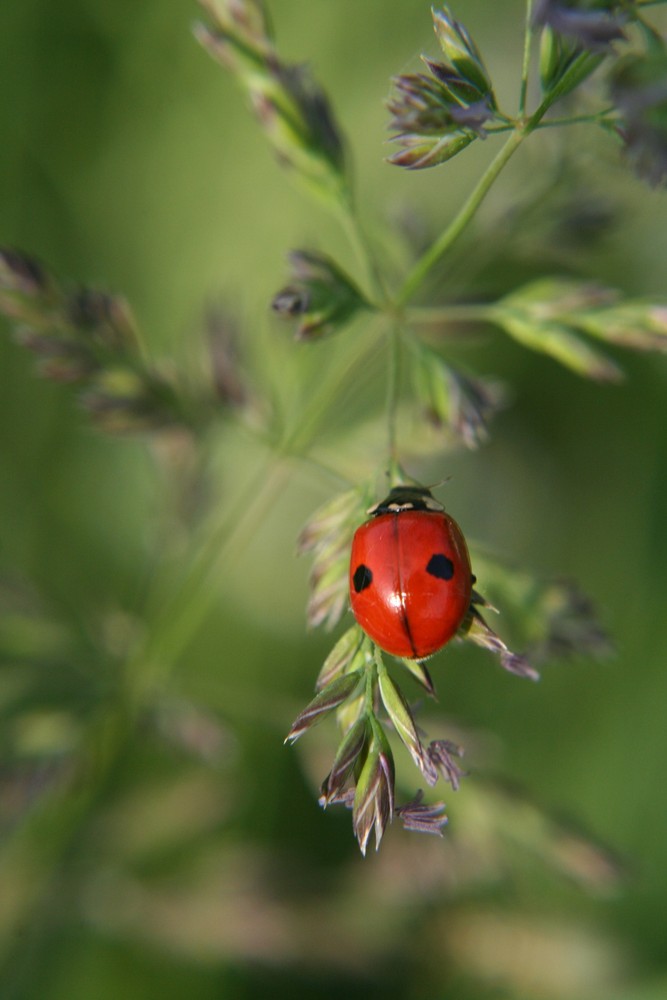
(362, 578)
(441, 566)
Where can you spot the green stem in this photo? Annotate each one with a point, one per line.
(179, 618)
(596, 118)
(362, 247)
(438, 249)
(473, 312)
(393, 394)
(297, 439)
(582, 67)
(527, 48)
(497, 129)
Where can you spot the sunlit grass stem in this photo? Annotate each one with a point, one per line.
(459, 224)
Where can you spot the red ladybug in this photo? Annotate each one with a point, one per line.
(410, 575)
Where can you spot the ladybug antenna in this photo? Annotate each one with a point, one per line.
(440, 482)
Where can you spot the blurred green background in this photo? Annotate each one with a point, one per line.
(189, 857)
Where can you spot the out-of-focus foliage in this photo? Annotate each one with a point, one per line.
(156, 837)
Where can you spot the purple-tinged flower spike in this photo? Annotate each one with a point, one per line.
(22, 278)
(291, 107)
(324, 702)
(123, 400)
(595, 29)
(69, 329)
(473, 403)
(420, 673)
(399, 712)
(328, 535)
(350, 652)
(320, 296)
(350, 752)
(476, 630)
(441, 754)
(422, 817)
(458, 404)
(89, 338)
(228, 380)
(533, 316)
(427, 106)
(552, 618)
(559, 621)
(419, 152)
(435, 116)
(105, 320)
(374, 796)
(638, 88)
(568, 625)
(549, 314)
(461, 52)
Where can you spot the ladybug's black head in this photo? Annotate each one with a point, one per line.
(407, 498)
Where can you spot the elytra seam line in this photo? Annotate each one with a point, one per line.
(404, 614)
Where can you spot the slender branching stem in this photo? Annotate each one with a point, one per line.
(527, 52)
(465, 312)
(179, 618)
(360, 243)
(595, 118)
(326, 395)
(393, 393)
(602, 117)
(582, 67)
(460, 221)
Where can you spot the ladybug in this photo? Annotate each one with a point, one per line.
(410, 576)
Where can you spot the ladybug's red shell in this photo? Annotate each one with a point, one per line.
(410, 579)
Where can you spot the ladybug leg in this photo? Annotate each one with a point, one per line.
(478, 599)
